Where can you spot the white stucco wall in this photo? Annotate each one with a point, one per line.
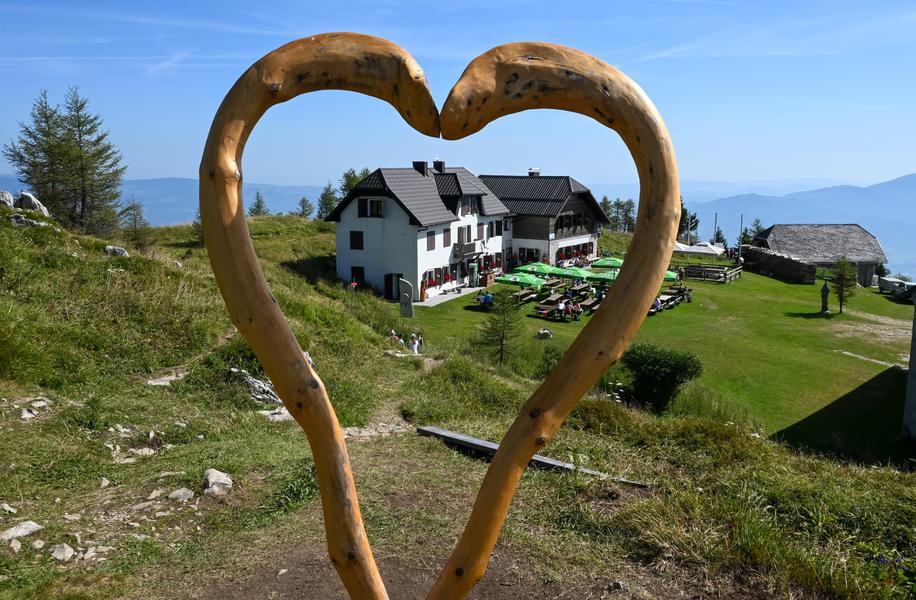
(442, 256)
(389, 244)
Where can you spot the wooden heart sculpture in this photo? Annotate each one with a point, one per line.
(508, 79)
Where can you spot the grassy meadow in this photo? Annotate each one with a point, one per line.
(743, 500)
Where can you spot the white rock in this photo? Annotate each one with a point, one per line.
(181, 424)
(18, 220)
(154, 494)
(23, 529)
(142, 505)
(276, 415)
(27, 201)
(104, 483)
(216, 483)
(165, 474)
(163, 513)
(115, 251)
(104, 549)
(89, 554)
(143, 451)
(8, 509)
(38, 544)
(15, 546)
(181, 494)
(167, 379)
(40, 402)
(259, 390)
(282, 571)
(6, 199)
(72, 517)
(27, 414)
(62, 552)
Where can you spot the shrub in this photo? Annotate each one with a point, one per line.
(550, 358)
(658, 373)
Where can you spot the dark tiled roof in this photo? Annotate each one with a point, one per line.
(823, 243)
(542, 195)
(471, 185)
(447, 183)
(417, 195)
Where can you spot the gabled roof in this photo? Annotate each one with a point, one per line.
(421, 196)
(542, 195)
(823, 243)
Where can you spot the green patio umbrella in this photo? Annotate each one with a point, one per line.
(574, 273)
(538, 268)
(670, 276)
(607, 277)
(610, 261)
(522, 279)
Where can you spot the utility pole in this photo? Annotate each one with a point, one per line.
(715, 228)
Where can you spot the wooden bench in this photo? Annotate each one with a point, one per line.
(590, 305)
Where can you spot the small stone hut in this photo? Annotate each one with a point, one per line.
(823, 244)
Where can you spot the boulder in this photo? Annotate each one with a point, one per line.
(216, 483)
(6, 199)
(22, 221)
(23, 529)
(27, 201)
(181, 494)
(62, 552)
(259, 390)
(115, 251)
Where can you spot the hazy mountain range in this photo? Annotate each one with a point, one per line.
(886, 209)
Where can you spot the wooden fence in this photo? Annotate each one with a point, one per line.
(708, 272)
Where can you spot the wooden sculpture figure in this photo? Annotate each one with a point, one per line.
(508, 79)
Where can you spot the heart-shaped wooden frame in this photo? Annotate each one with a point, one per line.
(508, 79)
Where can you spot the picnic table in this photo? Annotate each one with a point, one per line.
(552, 283)
(552, 299)
(590, 305)
(581, 288)
(524, 295)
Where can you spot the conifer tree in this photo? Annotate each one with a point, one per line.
(258, 208)
(134, 225)
(327, 202)
(843, 280)
(304, 209)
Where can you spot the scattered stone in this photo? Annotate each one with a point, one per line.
(104, 549)
(38, 544)
(619, 586)
(89, 554)
(27, 414)
(181, 424)
(8, 509)
(144, 452)
(115, 251)
(282, 571)
(259, 390)
(23, 529)
(216, 483)
(163, 513)
(165, 474)
(167, 379)
(27, 201)
(178, 264)
(15, 546)
(276, 415)
(154, 494)
(62, 552)
(122, 460)
(18, 220)
(104, 483)
(142, 505)
(40, 402)
(6, 199)
(72, 517)
(181, 494)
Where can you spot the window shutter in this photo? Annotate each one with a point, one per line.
(363, 207)
(447, 238)
(480, 231)
(499, 228)
(430, 240)
(461, 235)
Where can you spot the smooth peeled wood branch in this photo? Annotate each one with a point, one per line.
(333, 61)
(524, 76)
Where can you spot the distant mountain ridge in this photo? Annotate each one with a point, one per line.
(886, 209)
(173, 200)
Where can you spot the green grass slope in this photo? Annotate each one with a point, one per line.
(728, 510)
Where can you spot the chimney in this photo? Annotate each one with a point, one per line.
(534, 172)
(439, 165)
(420, 167)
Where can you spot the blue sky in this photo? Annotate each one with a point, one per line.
(750, 90)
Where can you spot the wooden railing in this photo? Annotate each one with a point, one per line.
(707, 272)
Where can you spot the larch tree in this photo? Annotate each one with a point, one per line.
(327, 201)
(258, 208)
(502, 326)
(304, 208)
(843, 281)
(39, 154)
(134, 225)
(92, 169)
(350, 178)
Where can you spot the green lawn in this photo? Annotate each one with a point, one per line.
(761, 345)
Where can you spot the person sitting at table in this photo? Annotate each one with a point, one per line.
(561, 309)
(599, 295)
(568, 293)
(488, 300)
(657, 304)
(576, 311)
(569, 311)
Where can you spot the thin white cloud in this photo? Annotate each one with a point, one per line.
(167, 64)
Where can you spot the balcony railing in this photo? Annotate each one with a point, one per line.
(462, 250)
